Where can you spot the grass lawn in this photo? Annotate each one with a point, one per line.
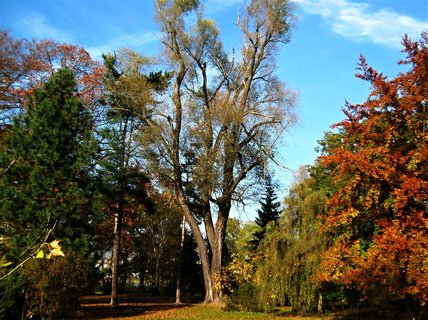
(165, 310)
(204, 312)
(142, 307)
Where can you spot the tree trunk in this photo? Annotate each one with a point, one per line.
(180, 260)
(217, 255)
(201, 244)
(208, 221)
(114, 302)
(142, 275)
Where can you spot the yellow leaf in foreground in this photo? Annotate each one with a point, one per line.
(40, 255)
(57, 252)
(55, 245)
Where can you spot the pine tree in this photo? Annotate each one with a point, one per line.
(269, 211)
(128, 96)
(45, 171)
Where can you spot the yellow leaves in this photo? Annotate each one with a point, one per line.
(56, 248)
(5, 264)
(415, 161)
(53, 250)
(372, 196)
(57, 252)
(240, 271)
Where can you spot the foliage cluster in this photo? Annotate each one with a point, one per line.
(45, 192)
(53, 286)
(353, 228)
(293, 250)
(67, 165)
(378, 216)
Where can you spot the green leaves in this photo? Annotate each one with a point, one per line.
(292, 249)
(45, 195)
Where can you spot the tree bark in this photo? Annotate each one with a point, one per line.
(180, 260)
(217, 256)
(142, 271)
(114, 301)
(201, 244)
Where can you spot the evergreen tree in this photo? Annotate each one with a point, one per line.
(269, 211)
(44, 195)
(128, 95)
(45, 171)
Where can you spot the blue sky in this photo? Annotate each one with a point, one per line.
(319, 62)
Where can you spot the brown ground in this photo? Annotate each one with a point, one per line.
(98, 307)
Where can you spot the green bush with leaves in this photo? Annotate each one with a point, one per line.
(245, 298)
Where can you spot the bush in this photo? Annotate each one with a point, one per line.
(53, 285)
(245, 298)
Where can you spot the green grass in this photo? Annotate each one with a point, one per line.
(170, 311)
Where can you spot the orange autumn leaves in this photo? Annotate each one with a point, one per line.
(27, 64)
(378, 218)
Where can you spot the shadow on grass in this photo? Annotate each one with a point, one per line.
(98, 307)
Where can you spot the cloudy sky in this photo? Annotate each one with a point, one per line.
(319, 62)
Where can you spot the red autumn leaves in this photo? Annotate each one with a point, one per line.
(378, 218)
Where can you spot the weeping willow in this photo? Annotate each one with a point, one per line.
(292, 250)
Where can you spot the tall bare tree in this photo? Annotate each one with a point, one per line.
(225, 112)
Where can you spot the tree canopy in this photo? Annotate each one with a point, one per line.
(228, 113)
(378, 216)
(48, 157)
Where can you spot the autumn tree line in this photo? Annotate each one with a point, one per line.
(123, 173)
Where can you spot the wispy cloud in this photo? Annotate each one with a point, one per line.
(360, 21)
(132, 41)
(38, 28)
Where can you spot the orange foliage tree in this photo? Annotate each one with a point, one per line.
(27, 64)
(379, 216)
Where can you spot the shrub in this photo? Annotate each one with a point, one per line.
(53, 285)
(245, 298)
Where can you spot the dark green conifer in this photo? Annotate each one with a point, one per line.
(268, 212)
(44, 170)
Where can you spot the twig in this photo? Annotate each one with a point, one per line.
(9, 166)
